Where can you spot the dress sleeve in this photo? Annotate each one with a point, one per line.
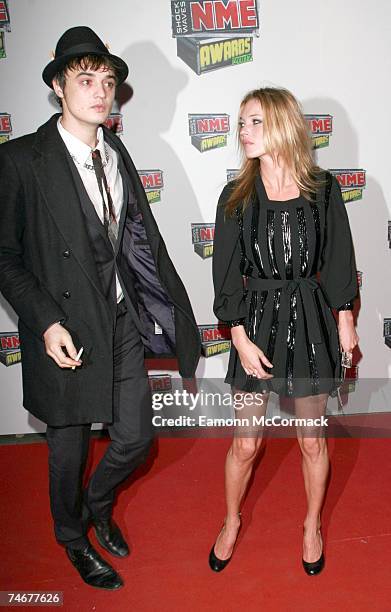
(229, 304)
(338, 274)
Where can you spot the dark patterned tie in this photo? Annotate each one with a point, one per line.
(109, 220)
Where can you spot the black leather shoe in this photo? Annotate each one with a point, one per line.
(110, 537)
(216, 564)
(315, 567)
(94, 570)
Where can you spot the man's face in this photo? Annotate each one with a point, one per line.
(87, 96)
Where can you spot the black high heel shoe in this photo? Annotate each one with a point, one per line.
(314, 567)
(216, 564)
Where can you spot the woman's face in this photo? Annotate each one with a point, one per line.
(251, 129)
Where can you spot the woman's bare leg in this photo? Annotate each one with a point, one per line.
(315, 465)
(238, 467)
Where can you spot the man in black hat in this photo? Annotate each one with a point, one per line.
(84, 266)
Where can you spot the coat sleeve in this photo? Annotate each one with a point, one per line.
(20, 287)
(338, 274)
(229, 304)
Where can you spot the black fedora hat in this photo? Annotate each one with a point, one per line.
(76, 42)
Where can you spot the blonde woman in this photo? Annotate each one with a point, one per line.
(283, 258)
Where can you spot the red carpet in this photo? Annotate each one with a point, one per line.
(171, 515)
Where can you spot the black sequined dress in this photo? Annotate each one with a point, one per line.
(288, 263)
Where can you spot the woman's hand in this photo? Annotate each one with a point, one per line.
(348, 337)
(251, 357)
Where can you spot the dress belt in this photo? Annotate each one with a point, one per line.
(306, 286)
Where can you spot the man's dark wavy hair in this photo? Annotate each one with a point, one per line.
(85, 62)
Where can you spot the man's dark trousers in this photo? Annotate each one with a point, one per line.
(131, 436)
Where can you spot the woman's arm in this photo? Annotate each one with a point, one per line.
(348, 337)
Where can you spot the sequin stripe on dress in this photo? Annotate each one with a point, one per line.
(246, 266)
(291, 344)
(315, 215)
(252, 316)
(287, 244)
(270, 243)
(274, 326)
(303, 244)
(254, 239)
(314, 374)
(254, 320)
(257, 304)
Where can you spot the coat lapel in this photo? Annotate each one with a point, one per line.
(148, 219)
(54, 176)
(125, 201)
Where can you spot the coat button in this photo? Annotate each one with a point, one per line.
(66, 295)
(66, 254)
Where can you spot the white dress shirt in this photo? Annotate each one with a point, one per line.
(81, 155)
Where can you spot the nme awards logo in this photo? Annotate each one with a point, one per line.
(2, 45)
(4, 16)
(209, 131)
(359, 279)
(387, 331)
(152, 181)
(202, 235)
(114, 123)
(9, 348)
(5, 127)
(215, 339)
(352, 183)
(160, 383)
(5, 26)
(321, 127)
(213, 34)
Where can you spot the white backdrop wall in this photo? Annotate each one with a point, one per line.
(335, 57)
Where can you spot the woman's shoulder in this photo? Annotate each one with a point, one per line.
(226, 192)
(327, 185)
(324, 177)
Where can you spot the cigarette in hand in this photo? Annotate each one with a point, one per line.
(78, 356)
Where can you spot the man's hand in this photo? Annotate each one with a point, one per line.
(55, 337)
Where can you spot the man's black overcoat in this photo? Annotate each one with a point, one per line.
(48, 274)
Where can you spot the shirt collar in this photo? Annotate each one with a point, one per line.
(80, 151)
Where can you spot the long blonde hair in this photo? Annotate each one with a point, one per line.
(286, 134)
